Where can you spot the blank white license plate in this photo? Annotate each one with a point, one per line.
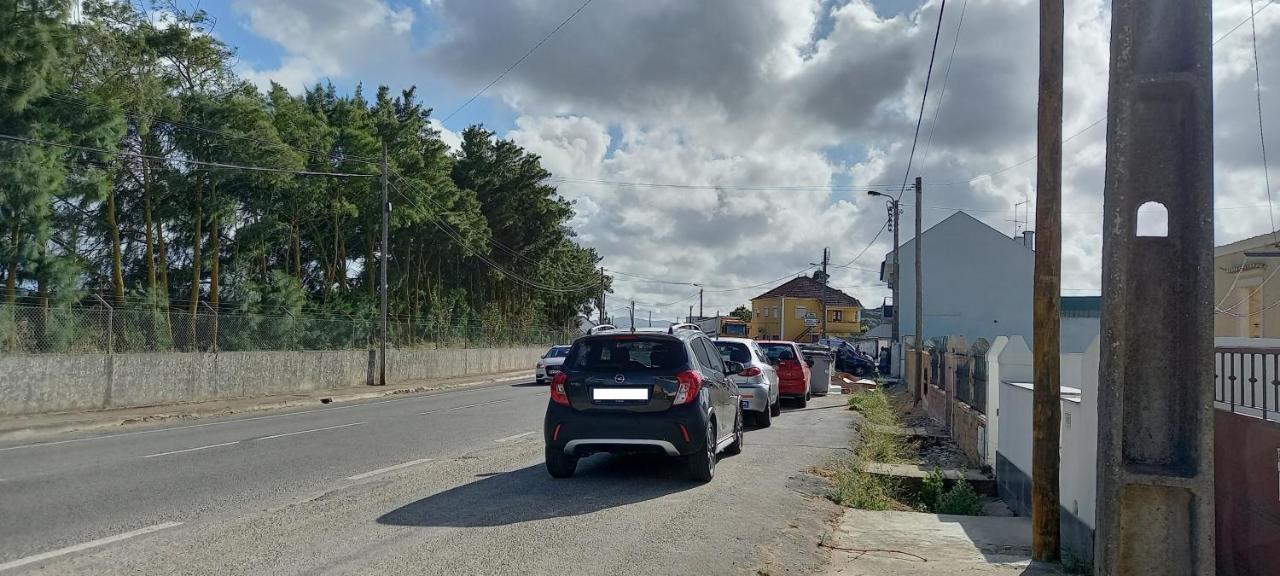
(620, 393)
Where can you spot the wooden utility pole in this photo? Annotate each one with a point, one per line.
(1047, 403)
(919, 292)
(386, 218)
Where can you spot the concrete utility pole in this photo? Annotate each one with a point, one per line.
(1046, 414)
(919, 293)
(651, 318)
(826, 258)
(386, 218)
(895, 211)
(1155, 510)
(700, 314)
(602, 312)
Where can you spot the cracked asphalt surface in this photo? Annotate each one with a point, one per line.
(442, 483)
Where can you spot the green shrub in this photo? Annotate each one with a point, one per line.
(931, 491)
(857, 488)
(961, 499)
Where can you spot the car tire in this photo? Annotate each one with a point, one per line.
(702, 464)
(776, 408)
(540, 381)
(764, 419)
(738, 437)
(559, 464)
(802, 401)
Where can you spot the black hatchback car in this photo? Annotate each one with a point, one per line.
(656, 392)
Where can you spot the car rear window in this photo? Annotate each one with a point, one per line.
(734, 351)
(629, 354)
(779, 351)
(557, 352)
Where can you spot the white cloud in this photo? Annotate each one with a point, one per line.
(777, 92)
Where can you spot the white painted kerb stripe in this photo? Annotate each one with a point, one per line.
(373, 473)
(514, 436)
(192, 449)
(311, 430)
(85, 546)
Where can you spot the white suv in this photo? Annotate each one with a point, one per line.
(550, 363)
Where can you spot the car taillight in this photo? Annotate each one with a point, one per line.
(557, 389)
(752, 371)
(690, 385)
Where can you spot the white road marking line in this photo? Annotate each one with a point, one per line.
(220, 423)
(514, 436)
(192, 449)
(308, 431)
(85, 546)
(464, 407)
(402, 465)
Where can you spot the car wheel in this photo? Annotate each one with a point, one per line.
(541, 381)
(764, 419)
(559, 464)
(736, 447)
(702, 464)
(802, 401)
(776, 408)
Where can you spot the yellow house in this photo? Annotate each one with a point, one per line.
(794, 311)
(1244, 292)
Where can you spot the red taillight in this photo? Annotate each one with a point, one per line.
(690, 385)
(752, 371)
(557, 389)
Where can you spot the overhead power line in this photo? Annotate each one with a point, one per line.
(924, 97)
(516, 63)
(448, 230)
(223, 165)
(937, 111)
(625, 184)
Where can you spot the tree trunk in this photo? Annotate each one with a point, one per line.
(297, 248)
(215, 259)
(369, 266)
(11, 276)
(146, 216)
(196, 238)
(117, 264)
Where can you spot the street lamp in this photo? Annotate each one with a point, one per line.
(894, 211)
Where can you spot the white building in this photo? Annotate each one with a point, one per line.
(977, 281)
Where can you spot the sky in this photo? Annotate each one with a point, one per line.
(764, 106)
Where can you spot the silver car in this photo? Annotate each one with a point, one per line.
(550, 363)
(758, 382)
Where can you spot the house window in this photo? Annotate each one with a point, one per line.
(801, 311)
(837, 315)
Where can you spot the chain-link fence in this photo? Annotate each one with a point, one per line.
(102, 328)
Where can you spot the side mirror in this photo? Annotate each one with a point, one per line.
(731, 367)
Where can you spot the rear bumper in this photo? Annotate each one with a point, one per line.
(755, 398)
(581, 433)
(793, 388)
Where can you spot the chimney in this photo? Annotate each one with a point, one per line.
(1029, 239)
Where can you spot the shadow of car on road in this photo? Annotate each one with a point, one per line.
(601, 482)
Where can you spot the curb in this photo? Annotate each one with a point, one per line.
(267, 405)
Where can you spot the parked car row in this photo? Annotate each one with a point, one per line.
(671, 391)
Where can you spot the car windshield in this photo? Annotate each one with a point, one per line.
(734, 351)
(777, 351)
(629, 354)
(557, 352)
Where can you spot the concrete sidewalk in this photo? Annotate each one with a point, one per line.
(22, 427)
(918, 544)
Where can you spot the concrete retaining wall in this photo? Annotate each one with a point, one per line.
(47, 383)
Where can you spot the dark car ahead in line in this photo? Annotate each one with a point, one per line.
(648, 391)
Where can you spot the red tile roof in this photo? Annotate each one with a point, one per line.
(806, 287)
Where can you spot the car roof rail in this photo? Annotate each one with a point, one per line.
(600, 328)
(683, 326)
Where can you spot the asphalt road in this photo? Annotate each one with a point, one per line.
(442, 483)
